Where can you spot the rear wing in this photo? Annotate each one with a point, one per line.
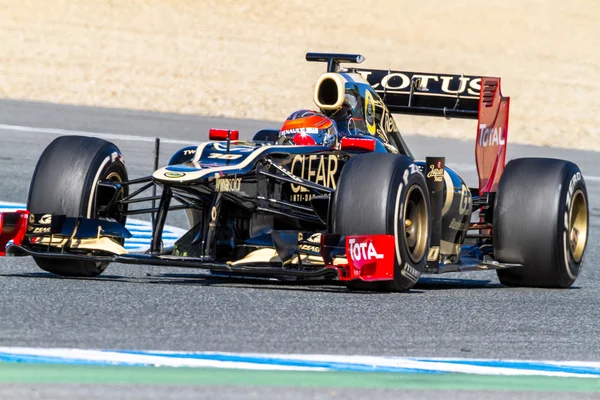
(443, 95)
(452, 96)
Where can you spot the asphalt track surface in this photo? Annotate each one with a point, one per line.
(143, 307)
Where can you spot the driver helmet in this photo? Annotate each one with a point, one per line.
(307, 127)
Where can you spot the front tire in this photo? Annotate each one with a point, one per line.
(541, 221)
(381, 193)
(65, 182)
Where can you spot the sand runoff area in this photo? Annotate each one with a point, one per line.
(246, 58)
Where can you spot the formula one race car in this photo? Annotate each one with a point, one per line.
(335, 193)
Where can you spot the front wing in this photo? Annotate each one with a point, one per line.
(362, 257)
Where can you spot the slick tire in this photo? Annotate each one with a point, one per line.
(375, 194)
(541, 221)
(65, 183)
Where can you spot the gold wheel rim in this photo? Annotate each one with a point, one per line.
(114, 176)
(578, 225)
(414, 224)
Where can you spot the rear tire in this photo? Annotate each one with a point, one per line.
(64, 183)
(541, 221)
(376, 194)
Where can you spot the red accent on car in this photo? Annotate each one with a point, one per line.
(357, 144)
(492, 133)
(370, 258)
(13, 226)
(221, 134)
(302, 139)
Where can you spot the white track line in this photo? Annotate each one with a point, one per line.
(314, 362)
(101, 135)
(77, 356)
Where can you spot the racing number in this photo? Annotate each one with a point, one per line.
(224, 156)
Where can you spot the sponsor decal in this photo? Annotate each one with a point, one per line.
(320, 169)
(491, 136)
(35, 228)
(228, 184)
(434, 253)
(301, 197)
(370, 112)
(436, 172)
(304, 130)
(363, 251)
(370, 256)
(46, 219)
(410, 273)
(448, 84)
(172, 174)
(314, 238)
(465, 200)
(388, 123)
(189, 152)
(39, 229)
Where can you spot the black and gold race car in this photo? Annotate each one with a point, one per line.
(335, 194)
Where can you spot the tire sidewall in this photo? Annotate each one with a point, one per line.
(406, 271)
(573, 181)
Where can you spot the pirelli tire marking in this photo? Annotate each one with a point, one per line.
(407, 270)
(410, 273)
